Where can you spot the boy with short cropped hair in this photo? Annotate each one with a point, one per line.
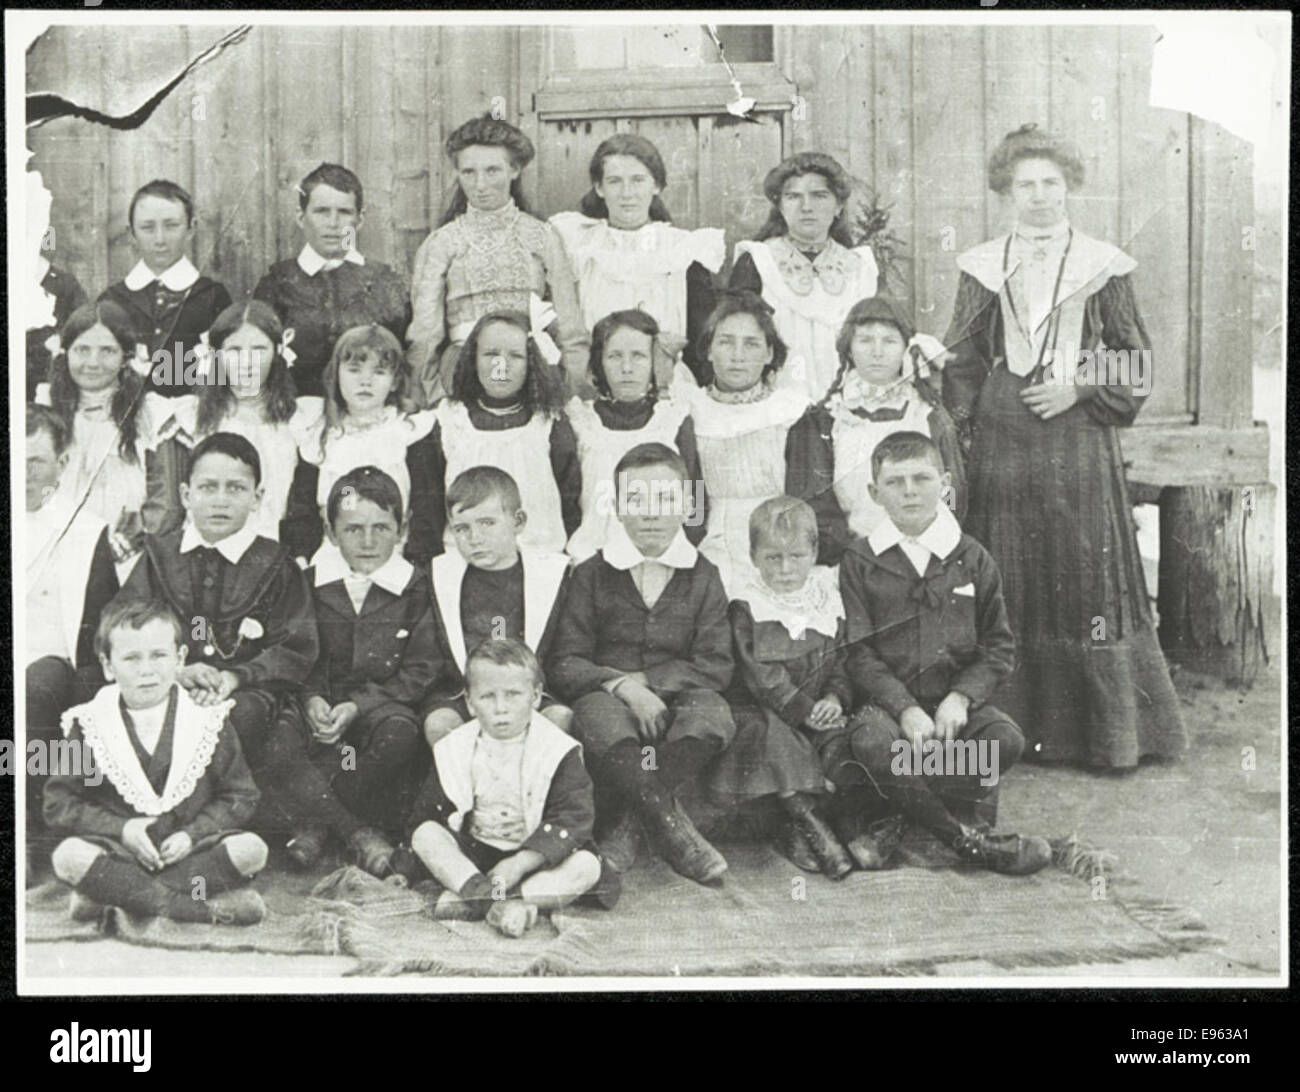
(504, 821)
(378, 653)
(330, 287)
(930, 642)
(489, 587)
(250, 628)
(644, 653)
(170, 302)
(160, 832)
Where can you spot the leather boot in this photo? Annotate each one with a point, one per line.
(831, 856)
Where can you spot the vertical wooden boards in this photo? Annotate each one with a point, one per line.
(947, 77)
(369, 125)
(563, 156)
(1222, 211)
(1153, 224)
(893, 151)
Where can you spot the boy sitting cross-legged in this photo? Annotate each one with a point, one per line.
(157, 830)
(341, 756)
(249, 626)
(929, 643)
(504, 820)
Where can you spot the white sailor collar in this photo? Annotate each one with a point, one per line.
(393, 575)
(940, 538)
(232, 547)
(178, 277)
(311, 261)
(621, 552)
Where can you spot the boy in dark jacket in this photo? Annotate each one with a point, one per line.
(342, 751)
(929, 644)
(250, 630)
(155, 791)
(643, 652)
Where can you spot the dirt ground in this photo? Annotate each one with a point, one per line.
(1204, 834)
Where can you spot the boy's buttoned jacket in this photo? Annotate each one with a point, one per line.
(913, 639)
(606, 630)
(385, 653)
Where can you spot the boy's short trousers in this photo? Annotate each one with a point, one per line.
(483, 856)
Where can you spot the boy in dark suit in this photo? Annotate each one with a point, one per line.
(330, 286)
(644, 652)
(344, 750)
(250, 629)
(170, 302)
(929, 644)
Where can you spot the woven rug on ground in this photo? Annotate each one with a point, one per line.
(765, 918)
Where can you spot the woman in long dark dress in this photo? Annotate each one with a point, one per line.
(1046, 477)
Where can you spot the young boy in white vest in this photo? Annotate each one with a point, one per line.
(504, 821)
(489, 588)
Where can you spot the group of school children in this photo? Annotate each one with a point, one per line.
(478, 583)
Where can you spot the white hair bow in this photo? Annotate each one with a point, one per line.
(203, 356)
(540, 315)
(931, 354)
(139, 362)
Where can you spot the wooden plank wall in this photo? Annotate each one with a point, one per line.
(913, 110)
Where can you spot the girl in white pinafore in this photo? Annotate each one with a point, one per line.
(626, 412)
(804, 265)
(742, 421)
(505, 410)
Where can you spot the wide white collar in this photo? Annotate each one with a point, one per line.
(178, 277)
(311, 261)
(940, 538)
(232, 547)
(621, 552)
(393, 575)
(818, 605)
(195, 739)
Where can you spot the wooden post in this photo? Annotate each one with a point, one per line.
(1216, 573)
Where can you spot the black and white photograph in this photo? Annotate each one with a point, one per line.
(528, 500)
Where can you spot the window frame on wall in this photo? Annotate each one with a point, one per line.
(695, 90)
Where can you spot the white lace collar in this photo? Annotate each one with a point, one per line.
(817, 606)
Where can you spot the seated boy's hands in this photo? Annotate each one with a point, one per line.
(509, 872)
(227, 684)
(825, 714)
(341, 718)
(916, 725)
(649, 709)
(175, 847)
(135, 836)
(317, 711)
(950, 717)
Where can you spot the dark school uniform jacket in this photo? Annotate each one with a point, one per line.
(544, 575)
(322, 306)
(606, 630)
(163, 318)
(914, 639)
(258, 621)
(386, 653)
(810, 473)
(197, 781)
(559, 807)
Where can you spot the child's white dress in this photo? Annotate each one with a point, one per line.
(742, 453)
(599, 450)
(382, 445)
